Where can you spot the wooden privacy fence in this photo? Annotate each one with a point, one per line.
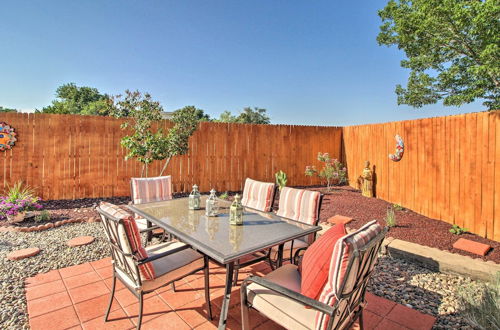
(450, 169)
(72, 156)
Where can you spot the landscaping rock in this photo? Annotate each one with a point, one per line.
(23, 253)
(79, 241)
(471, 246)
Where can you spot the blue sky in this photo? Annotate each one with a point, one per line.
(307, 62)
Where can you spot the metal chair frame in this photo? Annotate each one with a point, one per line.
(316, 222)
(366, 259)
(258, 258)
(120, 262)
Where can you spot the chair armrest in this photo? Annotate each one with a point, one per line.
(294, 295)
(161, 255)
(148, 229)
(296, 257)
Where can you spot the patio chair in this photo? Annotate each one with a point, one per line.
(148, 190)
(143, 270)
(340, 301)
(298, 205)
(259, 196)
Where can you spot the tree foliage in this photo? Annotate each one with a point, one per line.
(452, 49)
(4, 109)
(148, 142)
(71, 99)
(247, 116)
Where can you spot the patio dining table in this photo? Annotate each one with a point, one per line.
(218, 239)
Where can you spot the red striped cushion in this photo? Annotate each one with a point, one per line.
(258, 195)
(148, 190)
(300, 205)
(133, 237)
(315, 263)
(338, 266)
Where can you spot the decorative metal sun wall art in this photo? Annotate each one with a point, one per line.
(7, 136)
(400, 149)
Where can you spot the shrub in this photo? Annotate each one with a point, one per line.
(397, 207)
(457, 230)
(281, 179)
(42, 216)
(483, 313)
(390, 218)
(332, 171)
(224, 196)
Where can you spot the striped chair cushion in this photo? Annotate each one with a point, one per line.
(133, 237)
(300, 205)
(342, 252)
(258, 195)
(147, 190)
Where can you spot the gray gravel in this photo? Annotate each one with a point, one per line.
(403, 282)
(55, 254)
(430, 292)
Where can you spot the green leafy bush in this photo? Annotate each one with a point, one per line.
(224, 196)
(397, 207)
(483, 313)
(42, 216)
(457, 230)
(281, 179)
(390, 218)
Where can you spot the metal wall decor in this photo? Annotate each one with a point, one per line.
(400, 149)
(7, 136)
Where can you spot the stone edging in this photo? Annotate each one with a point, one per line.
(442, 261)
(39, 227)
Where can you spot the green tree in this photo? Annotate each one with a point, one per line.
(4, 109)
(148, 142)
(247, 116)
(71, 99)
(198, 113)
(452, 49)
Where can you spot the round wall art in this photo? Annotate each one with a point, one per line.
(400, 149)
(7, 136)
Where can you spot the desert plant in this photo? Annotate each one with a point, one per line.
(42, 216)
(281, 179)
(397, 207)
(483, 312)
(19, 198)
(390, 218)
(332, 170)
(457, 230)
(224, 196)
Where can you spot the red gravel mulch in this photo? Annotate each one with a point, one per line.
(411, 226)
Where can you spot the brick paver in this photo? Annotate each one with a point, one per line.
(77, 297)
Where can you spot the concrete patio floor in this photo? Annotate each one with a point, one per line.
(76, 298)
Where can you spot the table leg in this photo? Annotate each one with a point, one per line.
(279, 261)
(150, 232)
(227, 295)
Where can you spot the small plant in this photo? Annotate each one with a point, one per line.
(457, 230)
(397, 207)
(333, 171)
(281, 179)
(42, 216)
(390, 218)
(224, 196)
(19, 199)
(482, 312)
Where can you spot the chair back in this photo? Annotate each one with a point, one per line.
(353, 259)
(148, 190)
(121, 249)
(258, 195)
(300, 205)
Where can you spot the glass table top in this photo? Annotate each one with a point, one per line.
(214, 236)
